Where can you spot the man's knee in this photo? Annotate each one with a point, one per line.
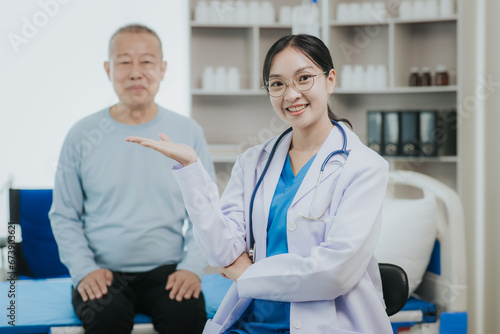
(104, 315)
(185, 317)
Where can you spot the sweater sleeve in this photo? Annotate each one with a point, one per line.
(66, 213)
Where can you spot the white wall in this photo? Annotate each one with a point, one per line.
(53, 76)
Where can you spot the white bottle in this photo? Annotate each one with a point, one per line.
(354, 11)
(366, 12)
(285, 16)
(220, 79)
(233, 79)
(419, 9)
(405, 10)
(358, 78)
(266, 12)
(346, 77)
(241, 12)
(208, 79)
(370, 77)
(381, 75)
(379, 9)
(305, 19)
(201, 12)
(343, 12)
(431, 8)
(446, 8)
(254, 12)
(215, 12)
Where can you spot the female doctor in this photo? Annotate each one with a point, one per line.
(315, 215)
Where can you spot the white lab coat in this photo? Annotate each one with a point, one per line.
(330, 275)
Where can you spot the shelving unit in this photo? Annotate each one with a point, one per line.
(245, 117)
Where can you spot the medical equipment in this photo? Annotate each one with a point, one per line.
(344, 151)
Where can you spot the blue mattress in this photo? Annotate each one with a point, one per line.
(40, 304)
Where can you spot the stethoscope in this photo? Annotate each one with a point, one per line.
(344, 151)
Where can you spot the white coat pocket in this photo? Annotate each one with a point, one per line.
(306, 234)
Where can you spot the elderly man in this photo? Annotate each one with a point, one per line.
(117, 212)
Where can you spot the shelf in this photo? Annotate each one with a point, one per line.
(222, 153)
(275, 26)
(243, 92)
(336, 23)
(221, 25)
(418, 160)
(238, 119)
(428, 20)
(400, 90)
(242, 25)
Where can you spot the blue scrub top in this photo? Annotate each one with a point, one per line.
(265, 316)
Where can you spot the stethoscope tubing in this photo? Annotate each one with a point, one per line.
(271, 154)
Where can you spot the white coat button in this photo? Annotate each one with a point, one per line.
(296, 324)
(327, 220)
(292, 226)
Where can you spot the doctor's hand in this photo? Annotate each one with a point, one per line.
(95, 284)
(182, 153)
(183, 284)
(234, 271)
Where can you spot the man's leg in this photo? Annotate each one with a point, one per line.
(169, 316)
(113, 312)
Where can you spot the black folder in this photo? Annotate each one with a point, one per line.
(428, 145)
(410, 137)
(446, 133)
(375, 131)
(391, 133)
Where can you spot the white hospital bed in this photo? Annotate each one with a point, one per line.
(444, 281)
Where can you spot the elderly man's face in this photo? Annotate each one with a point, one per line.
(135, 68)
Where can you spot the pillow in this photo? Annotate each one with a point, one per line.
(408, 235)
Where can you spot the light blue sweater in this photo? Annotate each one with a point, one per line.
(116, 205)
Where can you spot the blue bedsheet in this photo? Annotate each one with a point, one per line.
(37, 305)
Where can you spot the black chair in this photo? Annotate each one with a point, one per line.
(395, 287)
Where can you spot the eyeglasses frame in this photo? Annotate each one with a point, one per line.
(286, 82)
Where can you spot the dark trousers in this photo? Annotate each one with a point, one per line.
(145, 293)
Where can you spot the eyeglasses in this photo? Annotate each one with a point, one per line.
(301, 81)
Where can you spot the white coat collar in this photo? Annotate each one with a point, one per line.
(270, 182)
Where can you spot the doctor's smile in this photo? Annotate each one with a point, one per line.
(297, 109)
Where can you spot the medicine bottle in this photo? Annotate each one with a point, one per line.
(441, 76)
(415, 79)
(426, 76)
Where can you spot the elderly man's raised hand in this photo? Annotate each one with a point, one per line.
(182, 153)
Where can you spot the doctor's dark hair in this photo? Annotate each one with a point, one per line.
(311, 47)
